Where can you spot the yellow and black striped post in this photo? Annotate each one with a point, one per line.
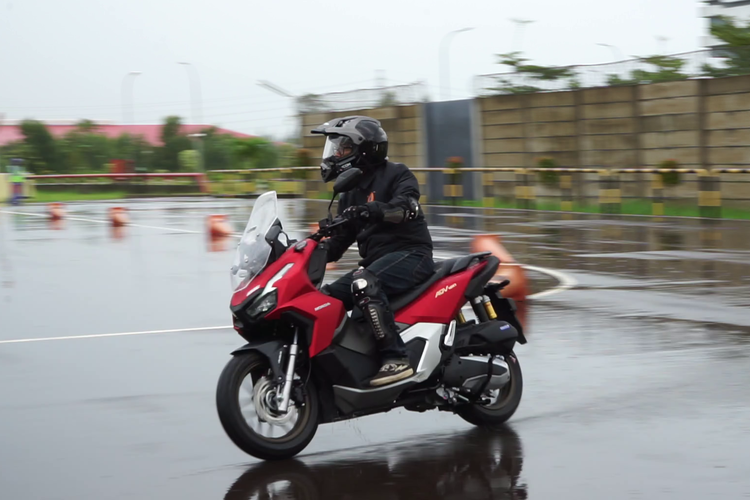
(525, 195)
(610, 194)
(566, 191)
(312, 180)
(422, 181)
(709, 196)
(488, 190)
(453, 189)
(248, 183)
(657, 194)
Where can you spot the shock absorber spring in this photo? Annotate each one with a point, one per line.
(478, 306)
(488, 307)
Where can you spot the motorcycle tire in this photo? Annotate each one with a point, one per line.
(499, 412)
(237, 428)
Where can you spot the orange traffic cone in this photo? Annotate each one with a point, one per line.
(518, 288)
(217, 244)
(118, 217)
(56, 211)
(118, 232)
(218, 227)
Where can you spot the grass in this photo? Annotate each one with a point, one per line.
(49, 197)
(628, 207)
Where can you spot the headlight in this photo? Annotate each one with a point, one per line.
(262, 306)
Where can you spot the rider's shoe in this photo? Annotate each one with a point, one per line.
(392, 371)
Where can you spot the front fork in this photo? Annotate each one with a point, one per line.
(286, 391)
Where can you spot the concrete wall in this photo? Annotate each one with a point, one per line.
(699, 123)
(703, 123)
(403, 124)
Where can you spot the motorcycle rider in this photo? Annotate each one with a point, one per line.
(389, 227)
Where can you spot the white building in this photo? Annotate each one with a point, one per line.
(738, 9)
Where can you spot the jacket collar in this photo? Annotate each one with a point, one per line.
(369, 176)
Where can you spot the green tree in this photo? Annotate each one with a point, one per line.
(736, 48)
(256, 152)
(41, 152)
(218, 150)
(531, 75)
(389, 98)
(189, 160)
(136, 149)
(173, 142)
(83, 150)
(664, 69)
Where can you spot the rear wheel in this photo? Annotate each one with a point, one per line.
(503, 402)
(246, 403)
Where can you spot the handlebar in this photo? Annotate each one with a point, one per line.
(326, 231)
(333, 223)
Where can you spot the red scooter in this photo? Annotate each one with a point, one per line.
(307, 361)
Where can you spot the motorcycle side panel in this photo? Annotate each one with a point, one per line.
(296, 278)
(441, 302)
(423, 343)
(322, 310)
(356, 336)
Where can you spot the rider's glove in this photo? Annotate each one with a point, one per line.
(356, 212)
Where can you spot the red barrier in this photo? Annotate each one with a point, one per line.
(199, 177)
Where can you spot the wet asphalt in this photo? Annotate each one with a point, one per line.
(637, 380)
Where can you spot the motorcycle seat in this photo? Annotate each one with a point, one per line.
(443, 268)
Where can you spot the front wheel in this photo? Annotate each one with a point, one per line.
(246, 403)
(503, 402)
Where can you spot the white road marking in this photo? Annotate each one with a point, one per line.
(566, 282)
(123, 334)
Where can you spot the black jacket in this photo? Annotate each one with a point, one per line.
(387, 186)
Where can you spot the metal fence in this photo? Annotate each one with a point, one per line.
(680, 192)
(645, 191)
(673, 67)
(363, 98)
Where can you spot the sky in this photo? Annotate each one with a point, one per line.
(70, 59)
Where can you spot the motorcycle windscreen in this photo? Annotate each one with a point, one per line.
(253, 250)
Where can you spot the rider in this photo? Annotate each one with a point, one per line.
(389, 228)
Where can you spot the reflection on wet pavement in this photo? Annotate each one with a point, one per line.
(469, 465)
(635, 380)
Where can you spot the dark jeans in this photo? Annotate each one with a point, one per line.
(397, 272)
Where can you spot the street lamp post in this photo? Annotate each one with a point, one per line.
(195, 91)
(126, 79)
(444, 63)
(518, 32)
(285, 93)
(616, 53)
(663, 43)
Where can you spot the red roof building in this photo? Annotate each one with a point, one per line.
(150, 133)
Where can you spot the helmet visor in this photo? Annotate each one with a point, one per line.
(339, 146)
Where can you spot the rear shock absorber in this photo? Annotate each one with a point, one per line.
(477, 304)
(460, 318)
(488, 307)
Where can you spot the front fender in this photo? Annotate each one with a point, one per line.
(271, 349)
